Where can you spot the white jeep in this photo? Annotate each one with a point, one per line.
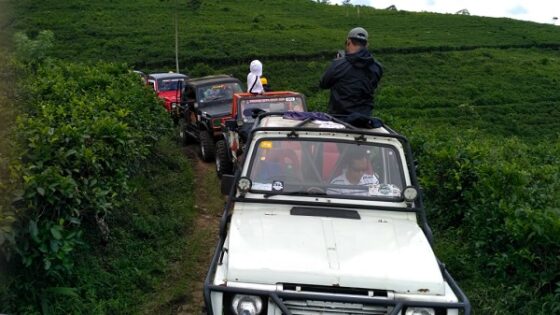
(326, 218)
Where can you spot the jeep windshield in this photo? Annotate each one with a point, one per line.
(326, 167)
(274, 104)
(170, 84)
(222, 92)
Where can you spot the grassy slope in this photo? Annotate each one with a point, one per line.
(497, 90)
(441, 70)
(7, 111)
(141, 32)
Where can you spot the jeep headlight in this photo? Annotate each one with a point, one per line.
(410, 193)
(420, 311)
(246, 304)
(173, 105)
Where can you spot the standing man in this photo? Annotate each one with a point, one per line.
(352, 77)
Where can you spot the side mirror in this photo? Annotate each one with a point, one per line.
(227, 183)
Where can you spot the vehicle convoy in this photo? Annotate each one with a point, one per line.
(245, 107)
(167, 87)
(326, 218)
(205, 104)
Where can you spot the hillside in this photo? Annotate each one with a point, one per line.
(478, 98)
(440, 69)
(141, 33)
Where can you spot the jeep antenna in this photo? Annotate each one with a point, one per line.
(176, 38)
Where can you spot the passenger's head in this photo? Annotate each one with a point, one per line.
(357, 160)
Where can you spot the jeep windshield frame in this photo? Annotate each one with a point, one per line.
(272, 102)
(170, 84)
(323, 166)
(216, 92)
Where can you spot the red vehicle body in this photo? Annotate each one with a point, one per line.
(277, 101)
(265, 102)
(232, 131)
(168, 87)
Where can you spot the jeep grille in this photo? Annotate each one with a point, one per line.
(310, 307)
(318, 307)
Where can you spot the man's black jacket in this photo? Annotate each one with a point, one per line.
(352, 80)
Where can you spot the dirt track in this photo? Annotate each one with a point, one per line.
(209, 206)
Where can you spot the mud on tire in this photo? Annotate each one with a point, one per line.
(223, 162)
(206, 146)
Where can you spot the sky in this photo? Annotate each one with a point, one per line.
(541, 11)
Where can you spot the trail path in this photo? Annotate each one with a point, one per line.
(209, 205)
(181, 291)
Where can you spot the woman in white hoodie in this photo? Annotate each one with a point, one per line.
(254, 84)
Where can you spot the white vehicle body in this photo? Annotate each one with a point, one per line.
(324, 252)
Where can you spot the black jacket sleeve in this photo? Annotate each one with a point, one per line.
(330, 75)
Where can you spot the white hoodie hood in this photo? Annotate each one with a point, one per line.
(254, 84)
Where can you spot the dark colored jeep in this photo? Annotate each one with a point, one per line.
(244, 109)
(205, 104)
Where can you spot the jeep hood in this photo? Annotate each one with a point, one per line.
(273, 246)
(217, 109)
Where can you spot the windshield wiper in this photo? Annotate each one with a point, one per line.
(217, 98)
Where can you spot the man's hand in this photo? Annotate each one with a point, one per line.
(340, 54)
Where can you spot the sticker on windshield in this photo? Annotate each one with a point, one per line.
(388, 190)
(277, 185)
(264, 100)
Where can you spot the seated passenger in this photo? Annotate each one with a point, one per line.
(354, 174)
(275, 166)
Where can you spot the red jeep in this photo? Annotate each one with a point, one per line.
(245, 108)
(168, 87)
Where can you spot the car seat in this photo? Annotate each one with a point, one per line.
(277, 164)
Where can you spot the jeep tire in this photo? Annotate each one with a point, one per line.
(206, 146)
(224, 165)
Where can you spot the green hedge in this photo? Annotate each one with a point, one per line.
(88, 131)
(500, 199)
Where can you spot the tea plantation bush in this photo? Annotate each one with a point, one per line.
(230, 32)
(500, 200)
(88, 130)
